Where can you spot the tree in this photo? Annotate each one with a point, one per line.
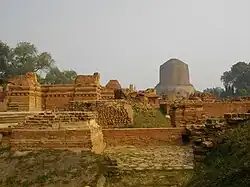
(4, 58)
(22, 59)
(217, 91)
(70, 76)
(236, 81)
(55, 76)
(228, 163)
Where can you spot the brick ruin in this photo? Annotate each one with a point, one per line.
(90, 117)
(111, 114)
(187, 112)
(205, 118)
(204, 137)
(200, 107)
(24, 93)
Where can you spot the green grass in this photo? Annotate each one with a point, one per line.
(148, 117)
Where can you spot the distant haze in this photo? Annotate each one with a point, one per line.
(128, 40)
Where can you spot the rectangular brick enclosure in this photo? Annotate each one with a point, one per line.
(143, 136)
(21, 139)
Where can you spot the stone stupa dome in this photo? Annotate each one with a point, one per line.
(174, 78)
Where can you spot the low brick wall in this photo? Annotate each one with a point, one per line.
(142, 137)
(218, 109)
(56, 119)
(21, 139)
(61, 139)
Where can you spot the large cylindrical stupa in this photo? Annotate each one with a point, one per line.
(174, 79)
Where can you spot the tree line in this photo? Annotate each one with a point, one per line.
(25, 57)
(236, 82)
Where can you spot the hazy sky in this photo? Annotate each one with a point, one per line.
(129, 39)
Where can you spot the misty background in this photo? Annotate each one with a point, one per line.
(128, 40)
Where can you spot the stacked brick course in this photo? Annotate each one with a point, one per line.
(56, 96)
(111, 113)
(56, 120)
(59, 130)
(23, 93)
(142, 137)
(187, 112)
(107, 93)
(50, 139)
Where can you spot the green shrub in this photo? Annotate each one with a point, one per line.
(228, 164)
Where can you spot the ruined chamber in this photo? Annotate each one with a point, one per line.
(174, 79)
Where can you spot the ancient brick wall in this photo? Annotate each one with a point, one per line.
(22, 139)
(196, 111)
(90, 80)
(56, 96)
(111, 113)
(60, 130)
(84, 138)
(107, 93)
(23, 93)
(114, 114)
(23, 98)
(87, 87)
(187, 112)
(57, 120)
(141, 137)
(217, 109)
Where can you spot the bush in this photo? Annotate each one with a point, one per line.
(228, 164)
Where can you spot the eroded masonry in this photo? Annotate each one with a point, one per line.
(87, 116)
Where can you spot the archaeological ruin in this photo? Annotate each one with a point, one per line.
(87, 116)
(174, 79)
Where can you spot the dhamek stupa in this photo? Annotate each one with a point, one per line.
(174, 79)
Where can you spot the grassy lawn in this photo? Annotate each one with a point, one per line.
(148, 117)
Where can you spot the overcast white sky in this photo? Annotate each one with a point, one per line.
(129, 39)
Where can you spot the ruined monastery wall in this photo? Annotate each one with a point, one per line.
(22, 139)
(217, 109)
(24, 93)
(196, 112)
(142, 137)
(56, 96)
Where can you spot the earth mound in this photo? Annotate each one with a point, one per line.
(50, 168)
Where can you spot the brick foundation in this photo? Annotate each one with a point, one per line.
(141, 137)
